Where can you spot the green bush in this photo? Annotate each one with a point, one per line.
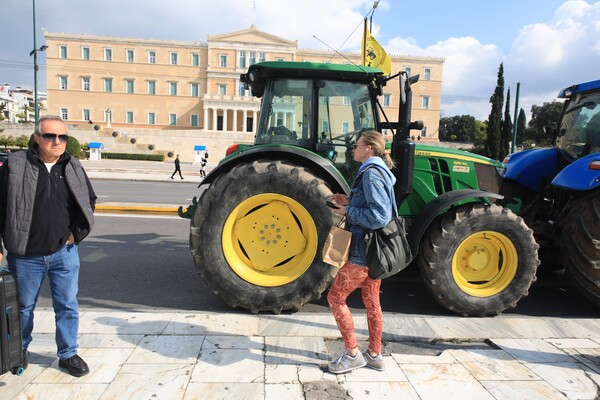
(128, 156)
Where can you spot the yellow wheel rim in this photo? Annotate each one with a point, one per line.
(269, 240)
(485, 263)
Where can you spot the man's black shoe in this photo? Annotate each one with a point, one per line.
(76, 366)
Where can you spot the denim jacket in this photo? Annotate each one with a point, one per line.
(370, 207)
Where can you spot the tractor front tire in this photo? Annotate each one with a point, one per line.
(580, 245)
(478, 260)
(257, 234)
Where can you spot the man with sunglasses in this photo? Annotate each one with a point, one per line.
(46, 209)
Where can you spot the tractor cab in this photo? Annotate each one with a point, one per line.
(579, 131)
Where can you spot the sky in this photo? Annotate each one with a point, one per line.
(545, 45)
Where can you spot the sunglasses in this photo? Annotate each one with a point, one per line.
(51, 137)
(355, 145)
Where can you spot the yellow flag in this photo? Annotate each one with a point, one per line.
(374, 55)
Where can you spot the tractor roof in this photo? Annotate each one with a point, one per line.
(283, 69)
(579, 88)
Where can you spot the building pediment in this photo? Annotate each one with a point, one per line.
(254, 36)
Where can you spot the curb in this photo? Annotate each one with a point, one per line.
(136, 208)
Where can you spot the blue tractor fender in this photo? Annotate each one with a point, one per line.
(583, 174)
(528, 167)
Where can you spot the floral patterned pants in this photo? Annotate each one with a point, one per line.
(348, 279)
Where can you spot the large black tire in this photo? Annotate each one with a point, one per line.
(478, 260)
(580, 245)
(257, 234)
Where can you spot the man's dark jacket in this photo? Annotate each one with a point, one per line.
(39, 209)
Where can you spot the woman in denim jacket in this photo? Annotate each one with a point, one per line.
(369, 207)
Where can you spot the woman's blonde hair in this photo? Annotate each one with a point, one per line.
(377, 143)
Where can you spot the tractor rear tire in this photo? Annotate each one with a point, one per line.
(478, 260)
(580, 245)
(257, 234)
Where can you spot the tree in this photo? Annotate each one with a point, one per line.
(494, 127)
(459, 128)
(2, 111)
(22, 141)
(521, 126)
(543, 116)
(507, 129)
(6, 141)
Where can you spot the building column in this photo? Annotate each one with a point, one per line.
(225, 120)
(245, 121)
(235, 111)
(206, 125)
(254, 122)
(213, 126)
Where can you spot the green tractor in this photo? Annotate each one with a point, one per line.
(260, 221)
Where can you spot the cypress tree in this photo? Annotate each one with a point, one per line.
(521, 126)
(507, 129)
(494, 127)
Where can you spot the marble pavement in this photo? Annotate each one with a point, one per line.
(182, 355)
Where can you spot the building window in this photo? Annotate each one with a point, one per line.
(151, 118)
(222, 89)
(62, 51)
(172, 119)
(242, 59)
(325, 126)
(108, 85)
(129, 117)
(63, 82)
(151, 87)
(173, 58)
(223, 60)
(85, 84)
(64, 113)
(129, 86)
(346, 100)
(387, 100)
(194, 120)
(262, 56)
(427, 74)
(85, 114)
(425, 102)
(108, 54)
(241, 89)
(195, 60)
(281, 59)
(130, 55)
(424, 132)
(345, 127)
(252, 57)
(408, 71)
(152, 57)
(194, 89)
(85, 53)
(173, 88)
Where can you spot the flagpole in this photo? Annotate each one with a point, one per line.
(364, 44)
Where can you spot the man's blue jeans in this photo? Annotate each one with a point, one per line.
(62, 269)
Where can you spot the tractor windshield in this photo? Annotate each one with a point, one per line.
(579, 133)
(344, 110)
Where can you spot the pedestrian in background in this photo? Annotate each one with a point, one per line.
(177, 168)
(203, 165)
(369, 207)
(46, 209)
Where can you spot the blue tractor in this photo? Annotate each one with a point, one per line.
(557, 190)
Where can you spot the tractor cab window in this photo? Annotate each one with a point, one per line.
(579, 133)
(285, 113)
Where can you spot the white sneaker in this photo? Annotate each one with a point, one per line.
(345, 362)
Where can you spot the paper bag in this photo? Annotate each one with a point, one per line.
(337, 246)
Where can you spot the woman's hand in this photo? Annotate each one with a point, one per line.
(340, 199)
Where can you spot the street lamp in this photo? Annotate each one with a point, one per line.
(375, 4)
(35, 68)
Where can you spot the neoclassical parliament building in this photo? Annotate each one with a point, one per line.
(195, 86)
